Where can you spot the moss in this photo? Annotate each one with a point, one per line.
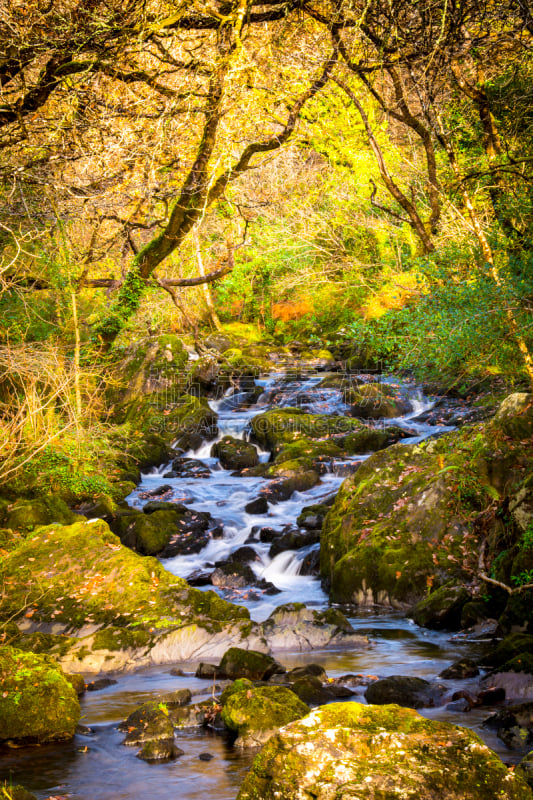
(113, 638)
(442, 609)
(37, 703)
(80, 574)
(254, 714)
(514, 645)
(280, 426)
(8, 792)
(235, 453)
(25, 515)
(240, 685)
(348, 749)
(239, 663)
(306, 448)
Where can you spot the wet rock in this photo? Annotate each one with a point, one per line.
(163, 505)
(148, 723)
(371, 401)
(462, 705)
(464, 668)
(404, 690)
(268, 534)
(206, 756)
(293, 539)
(235, 454)
(257, 506)
(515, 685)
(514, 646)
(199, 578)
(192, 532)
(312, 691)
(79, 578)
(312, 517)
(239, 663)
(101, 683)
(199, 715)
(190, 468)
(489, 697)
(37, 703)
(316, 670)
(243, 555)
(369, 440)
(474, 612)
(207, 671)
(282, 426)
(179, 697)
(282, 489)
(233, 576)
(160, 750)
(293, 626)
(255, 714)
(311, 563)
(165, 488)
(513, 725)
(25, 515)
(267, 587)
(442, 609)
(376, 753)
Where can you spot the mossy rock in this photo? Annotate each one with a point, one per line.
(282, 426)
(240, 685)
(235, 454)
(148, 534)
(256, 714)
(512, 646)
(251, 664)
(169, 418)
(26, 515)
(368, 402)
(289, 469)
(307, 448)
(442, 609)
(371, 439)
(378, 753)
(81, 574)
(8, 792)
(149, 366)
(37, 703)
(515, 416)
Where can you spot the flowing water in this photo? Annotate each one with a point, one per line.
(98, 767)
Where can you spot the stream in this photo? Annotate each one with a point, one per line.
(97, 767)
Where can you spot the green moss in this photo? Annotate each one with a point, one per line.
(254, 714)
(25, 515)
(80, 574)
(348, 749)
(281, 426)
(113, 638)
(240, 685)
(37, 703)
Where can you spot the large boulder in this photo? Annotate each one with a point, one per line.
(256, 713)
(350, 750)
(293, 626)
(403, 524)
(442, 609)
(120, 609)
(26, 515)
(37, 702)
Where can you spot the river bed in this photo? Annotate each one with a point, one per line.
(98, 767)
